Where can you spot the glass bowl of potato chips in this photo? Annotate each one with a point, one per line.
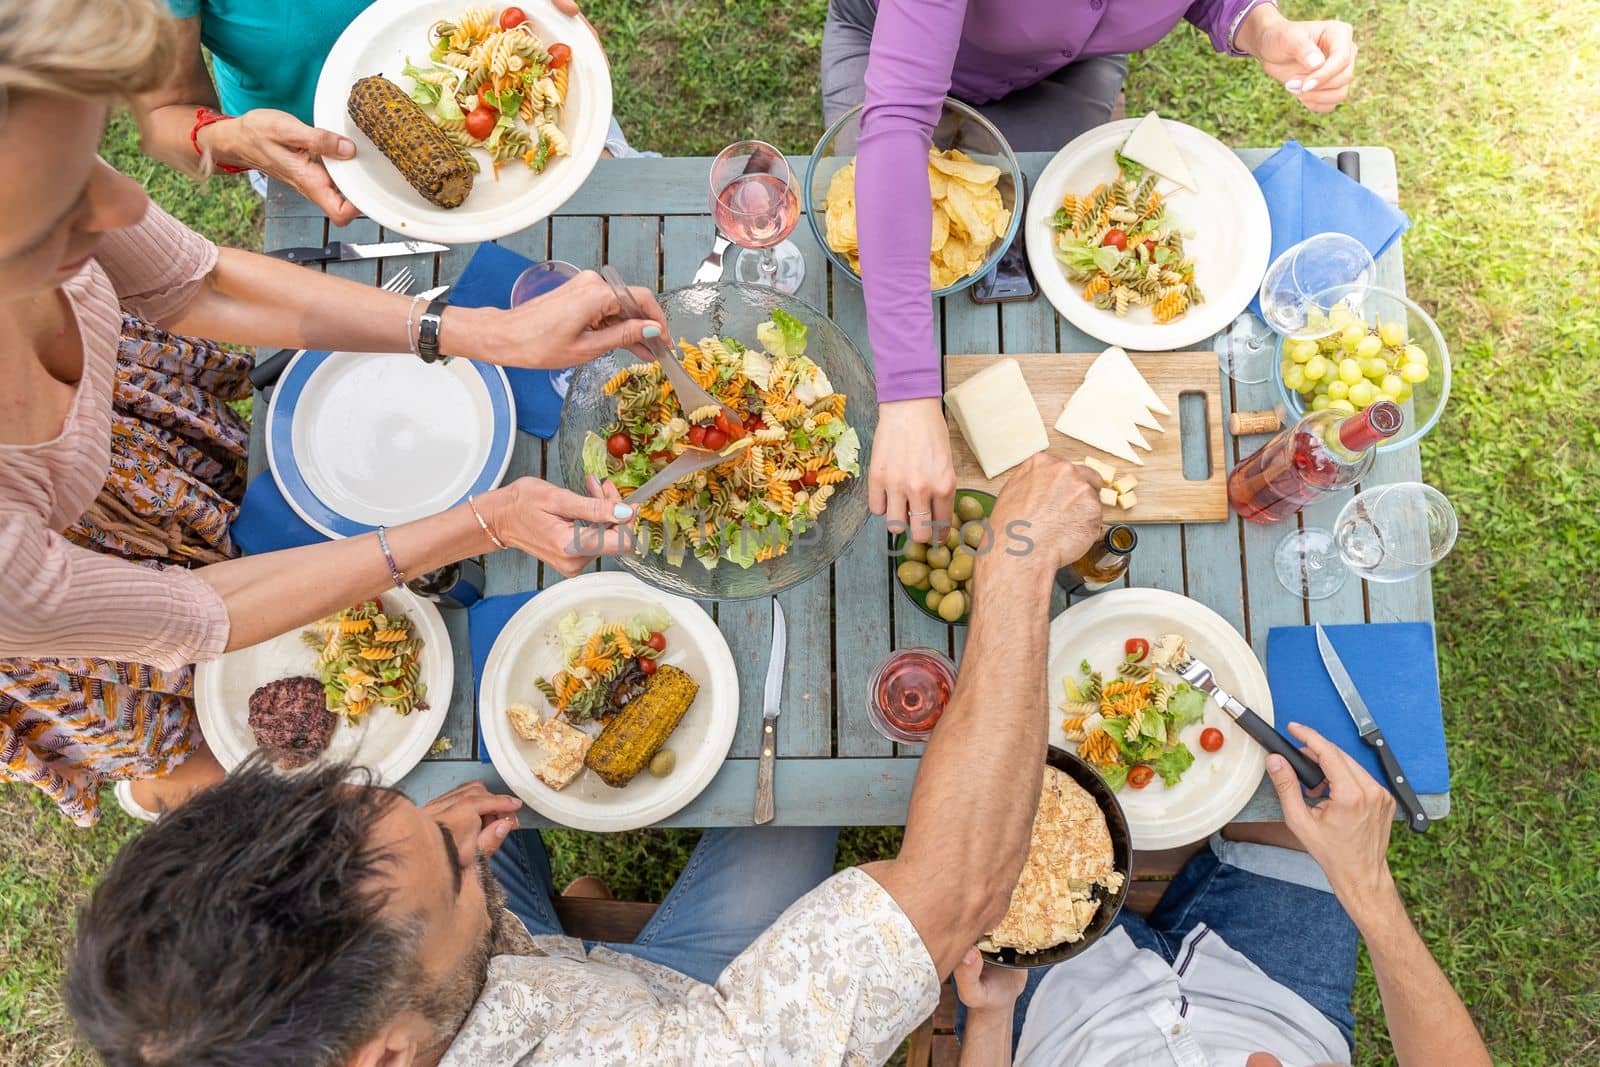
(973, 177)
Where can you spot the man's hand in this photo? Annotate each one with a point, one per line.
(911, 480)
(1315, 60)
(1050, 503)
(280, 145)
(1348, 833)
(573, 324)
(475, 817)
(986, 989)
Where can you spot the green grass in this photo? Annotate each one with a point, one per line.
(1490, 110)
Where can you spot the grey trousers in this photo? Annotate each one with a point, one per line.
(1040, 118)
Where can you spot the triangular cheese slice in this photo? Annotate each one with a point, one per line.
(1086, 418)
(1114, 363)
(1150, 145)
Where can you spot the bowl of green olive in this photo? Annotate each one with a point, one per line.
(938, 577)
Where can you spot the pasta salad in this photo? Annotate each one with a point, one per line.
(367, 657)
(752, 507)
(1127, 725)
(1118, 242)
(596, 654)
(492, 83)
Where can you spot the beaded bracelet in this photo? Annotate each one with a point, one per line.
(203, 117)
(472, 502)
(395, 572)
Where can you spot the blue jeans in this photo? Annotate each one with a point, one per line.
(1277, 911)
(736, 884)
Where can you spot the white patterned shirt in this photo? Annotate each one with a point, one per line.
(841, 978)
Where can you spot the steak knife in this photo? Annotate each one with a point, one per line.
(343, 251)
(1416, 818)
(770, 707)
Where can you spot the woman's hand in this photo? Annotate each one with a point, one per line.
(560, 527)
(567, 326)
(911, 481)
(280, 145)
(1314, 60)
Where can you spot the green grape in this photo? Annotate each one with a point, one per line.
(1413, 354)
(1283, 368)
(1294, 377)
(1321, 403)
(1315, 368)
(1316, 320)
(1392, 334)
(1368, 347)
(1349, 371)
(1392, 385)
(1363, 393)
(1338, 390)
(1340, 317)
(1351, 336)
(1342, 405)
(1300, 351)
(1404, 394)
(1414, 372)
(1375, 368)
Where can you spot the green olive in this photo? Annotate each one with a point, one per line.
(913, 573)
(932, 599)
(662, 762)
(968, 508)
(953, 606)
(938, 558)
(917, 551)
(941, 581)
(952, 536)
(960, 568)
(974, 534)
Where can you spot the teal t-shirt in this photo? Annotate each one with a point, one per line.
(268, 53)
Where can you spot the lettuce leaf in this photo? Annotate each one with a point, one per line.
(595, 457)
(1130, 170)
(654, 618)
(435, 84)
(847, 450)
(1186, 705)
(1173, 762)
(782, 335)
(574, 630)
(1116, 776)
(635, 471)
(758, 368)
(1086, 258)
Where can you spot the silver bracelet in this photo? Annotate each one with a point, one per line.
(395, 572)
(1238, 20)
(472, 503)
(411, 314)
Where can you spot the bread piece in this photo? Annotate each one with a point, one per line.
(564, 745)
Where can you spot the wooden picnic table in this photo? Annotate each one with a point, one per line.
(650, 219)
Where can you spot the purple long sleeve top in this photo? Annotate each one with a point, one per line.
(979, 50)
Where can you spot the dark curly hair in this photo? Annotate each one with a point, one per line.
(243, 930)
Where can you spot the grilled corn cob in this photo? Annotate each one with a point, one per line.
(421, 151)
(637, 732)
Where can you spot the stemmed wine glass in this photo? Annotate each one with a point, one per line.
(755, 199)
(1315, 265)
(536, 281)
(1385, 534)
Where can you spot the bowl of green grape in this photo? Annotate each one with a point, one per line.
(1361, 344)
(937, 577)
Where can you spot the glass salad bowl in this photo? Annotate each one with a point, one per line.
(960, 126)
(731, 309)
(1366, 323)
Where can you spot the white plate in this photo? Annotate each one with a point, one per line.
(378, 41)
(387, 744)
(1227, 215)
(528, 647)
(1220, 783)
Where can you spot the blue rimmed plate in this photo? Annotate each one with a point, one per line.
(357, 440)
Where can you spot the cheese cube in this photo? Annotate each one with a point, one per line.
(1105, 470)
(1108, 497)
(1125, 484)
(1125, 501)
(997, 415)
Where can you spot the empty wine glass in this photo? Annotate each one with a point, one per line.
(1315, 265)
(536, 281)
(755, 199)
(1386, 534)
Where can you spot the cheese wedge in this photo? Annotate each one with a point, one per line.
(1114, 364)
(996, 413)
(1086, 419)
(1150, 145)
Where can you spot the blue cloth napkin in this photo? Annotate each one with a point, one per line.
(486, 283)
(485, 620)
(1392, 664)
(1306, 196)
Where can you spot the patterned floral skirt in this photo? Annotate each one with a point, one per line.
(177, 474)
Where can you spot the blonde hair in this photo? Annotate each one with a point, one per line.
(99, 48)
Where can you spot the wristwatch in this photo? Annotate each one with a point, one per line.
(428, 331)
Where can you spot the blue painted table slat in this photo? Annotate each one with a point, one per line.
(649, 219)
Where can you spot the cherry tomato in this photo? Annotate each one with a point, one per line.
(754, 423)
(732, 429)
(1136, 648)
(657, 640)
(374, 603)
(619, 444)
(1116, 239)
(1211, 739)
(512, 17)
(481, 120)
(808, 479)
(647, 665)
(716, 439)
(797, 485)
(1140, 776)
(560, 55)
(697, 435)
(1150, 249)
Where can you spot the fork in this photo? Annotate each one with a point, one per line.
(1199, 675)
(265, 374)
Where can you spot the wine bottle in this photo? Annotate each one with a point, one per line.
(1324, 451)
(1104, 564)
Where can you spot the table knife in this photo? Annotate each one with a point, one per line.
(1199, 675)
(343, 251)
(1416, 818)
(710, 270)
(769, 716)
(265, 374)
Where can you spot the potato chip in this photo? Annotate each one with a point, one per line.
(941, 227)
(960, 165)
(937, 184)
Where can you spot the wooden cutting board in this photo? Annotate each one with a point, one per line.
(1165, 493)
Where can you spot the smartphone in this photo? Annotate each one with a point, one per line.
(1010, 279)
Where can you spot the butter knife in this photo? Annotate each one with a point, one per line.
(710, 270)
(769, 716)
(1416, 818)
(1199, 675)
